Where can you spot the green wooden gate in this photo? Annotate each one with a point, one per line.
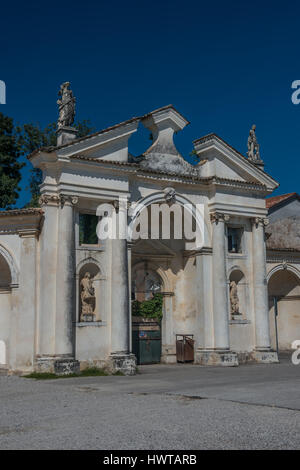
(146, 340)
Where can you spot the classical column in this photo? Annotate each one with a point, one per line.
(204, 290)
(220, 294)
(48, 271)
(120, 358)
(220, 353)
(129, 260)
(65, 278)
(262, 351)
(26, 319)
(55, 349)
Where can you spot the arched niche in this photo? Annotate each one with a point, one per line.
(9, 273)
(237, 294)
(90, 291)
(5, 273)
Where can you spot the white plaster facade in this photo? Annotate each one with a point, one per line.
(42, 260)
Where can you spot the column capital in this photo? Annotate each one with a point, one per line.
(217, 217)
(56, 199)
(205, 250)
(68, 199)
(121, 204)
(49, 199)
(263, 221)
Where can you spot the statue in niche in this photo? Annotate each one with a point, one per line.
(234, 299)
(66, 106)
(88, 300)
(253, 147)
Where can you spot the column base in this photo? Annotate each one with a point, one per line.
(168, 354)
(216, 358)
(266, 357)
(57, 365)
(124, 363)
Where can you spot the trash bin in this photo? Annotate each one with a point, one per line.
(185, 348)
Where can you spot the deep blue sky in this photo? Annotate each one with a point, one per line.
(223, 64)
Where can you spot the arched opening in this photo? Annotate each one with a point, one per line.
(166, 231)
(5, 303)
(147, 307)
(284, 291)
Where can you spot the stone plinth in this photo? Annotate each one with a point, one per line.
(59, 366)
(216, 358)
(266, 357)
(65, 135)
(125, 363)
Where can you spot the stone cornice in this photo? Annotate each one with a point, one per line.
(135, 169)
(279, 256)
(16, 212)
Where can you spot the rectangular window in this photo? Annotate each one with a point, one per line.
(235, 240)
(87, 229)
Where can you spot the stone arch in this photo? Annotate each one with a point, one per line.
(2, 352)
(88, 260)
(8, 261)
(157, 197)
(155, 267)
(284, 293)
(283, 266)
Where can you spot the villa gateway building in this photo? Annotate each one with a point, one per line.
(68, 296)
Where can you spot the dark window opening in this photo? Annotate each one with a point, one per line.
(87, 229)
(235, 240)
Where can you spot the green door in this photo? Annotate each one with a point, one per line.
(146, 342)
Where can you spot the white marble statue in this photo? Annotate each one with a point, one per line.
(87, 298)
(234, 299)
(66, 105)
(253, 147)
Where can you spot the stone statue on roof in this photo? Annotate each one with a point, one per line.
(253, 147)
(66, 106)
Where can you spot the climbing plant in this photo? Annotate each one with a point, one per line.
(151, 308)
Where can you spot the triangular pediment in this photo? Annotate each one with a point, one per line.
(223, 161)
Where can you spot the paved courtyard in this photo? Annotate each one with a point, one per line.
(163, 407)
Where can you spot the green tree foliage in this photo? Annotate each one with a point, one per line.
(151, 308)
(10, 174)
(31, 137)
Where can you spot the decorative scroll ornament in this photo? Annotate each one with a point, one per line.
(261, 220)
(216, 217)
(56, 199)
(170, 195)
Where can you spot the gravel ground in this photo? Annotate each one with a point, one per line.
(163, 407)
